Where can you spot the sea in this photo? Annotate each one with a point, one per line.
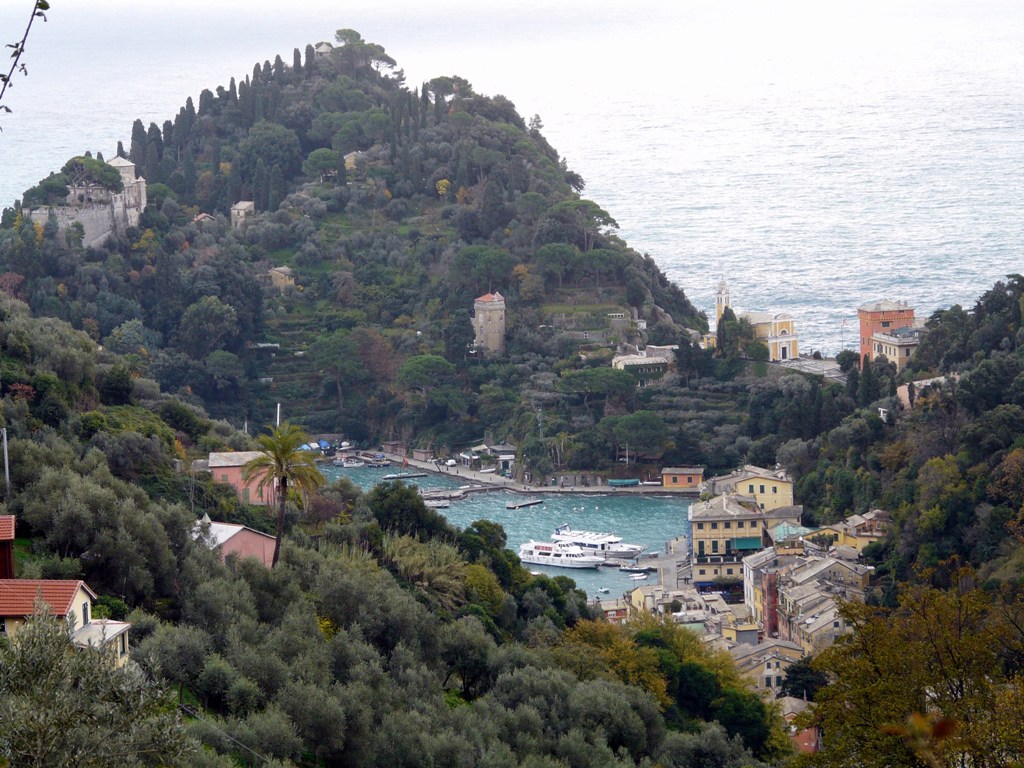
(651, 521)
(816, 156)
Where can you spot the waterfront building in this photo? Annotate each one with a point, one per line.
(882, 316)
(726, 528)
(682, 478)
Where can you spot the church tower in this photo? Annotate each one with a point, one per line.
(722, 299)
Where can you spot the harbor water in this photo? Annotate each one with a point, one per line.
(647, 520)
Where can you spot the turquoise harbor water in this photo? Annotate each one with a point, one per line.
(647, 520)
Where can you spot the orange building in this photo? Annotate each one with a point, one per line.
(882, 316)
(683, 478)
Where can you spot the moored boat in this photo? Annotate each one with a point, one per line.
(596, 543)
(558, 555)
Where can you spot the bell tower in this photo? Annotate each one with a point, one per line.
(722, 299)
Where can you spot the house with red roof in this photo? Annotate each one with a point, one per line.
(6, 546)
(64, 599)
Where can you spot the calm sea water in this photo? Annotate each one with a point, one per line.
(647, 520)
(815, 155)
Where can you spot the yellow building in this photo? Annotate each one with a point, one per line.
(771, 488)
(67, 600)
(726, 528)
(775, 331)
(856, 531)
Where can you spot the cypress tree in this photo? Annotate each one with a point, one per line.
(260, 185)
(120, 150)
(152, 165)
(139, 142)
(869, 389)
(276, 188)
(310, 56)
(278, 67)
(297, 63)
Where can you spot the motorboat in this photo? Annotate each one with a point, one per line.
(558, 555)
(595, 543)
(349, 462)
(638, 577)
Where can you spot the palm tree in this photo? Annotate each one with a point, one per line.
(282, 462)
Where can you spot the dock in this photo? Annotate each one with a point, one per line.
(406, 475)
(523, 503)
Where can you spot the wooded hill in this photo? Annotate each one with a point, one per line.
(446, 195)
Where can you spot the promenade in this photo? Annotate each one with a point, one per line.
(474, 477)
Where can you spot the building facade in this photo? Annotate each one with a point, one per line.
(770, 488)
(777, 331)
(883, 316)
(682, 478)
(489, 323)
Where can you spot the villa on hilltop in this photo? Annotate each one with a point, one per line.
(100, 212)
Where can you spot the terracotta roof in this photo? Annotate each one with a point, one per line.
(18, 596)
(491, 297)
(6, 527)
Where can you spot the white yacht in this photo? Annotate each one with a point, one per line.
(601, 544)
(558, 555)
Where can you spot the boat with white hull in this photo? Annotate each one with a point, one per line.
(558, 555)
(603, 545)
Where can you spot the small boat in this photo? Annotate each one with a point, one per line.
(557, 554)
(378, 463)
(625, 483)
(603, 591)
(603, 544)
(638, 577)
(436, 503)
(523, 503)
(487, 470)
(348, 462)
(404, 475)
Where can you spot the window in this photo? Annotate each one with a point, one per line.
(675, 479)
(700, 549)
(85, 612)
(714, 526)
(123, 644)
(701, 571)
(762, 488)
(728, 524)
(778, 681)
(751, 488)
(700, 526)
(835, 624)
(767, 681)
(728, 571)
(739, 523)
(775, 489)
(714, 546)
(689, 479)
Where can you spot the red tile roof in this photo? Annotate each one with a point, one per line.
(18, 596)
(6, 527)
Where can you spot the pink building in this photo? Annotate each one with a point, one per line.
(227, 468)
(236, 540)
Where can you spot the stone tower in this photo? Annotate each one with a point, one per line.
(722, 299)
(489, 323)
